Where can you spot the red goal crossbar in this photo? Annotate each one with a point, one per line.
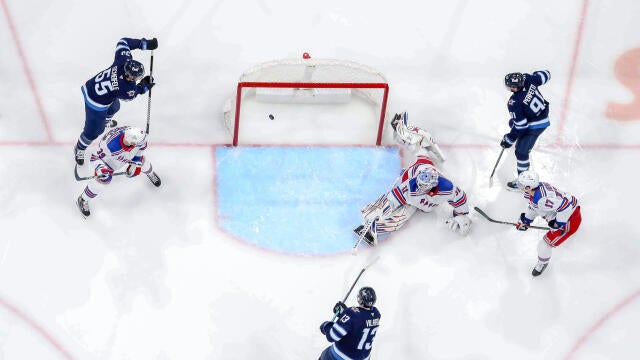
(310, 85)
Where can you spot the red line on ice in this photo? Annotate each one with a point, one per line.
(37, 328)
(572, 71)
(595, 327)
(27, 71)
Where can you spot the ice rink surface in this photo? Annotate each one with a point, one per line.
(152, 274)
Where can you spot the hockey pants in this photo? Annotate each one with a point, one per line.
(554, 238)
(524, 144)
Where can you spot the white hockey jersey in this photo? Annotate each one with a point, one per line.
(550, 203)
(115, 154)
(406, 190)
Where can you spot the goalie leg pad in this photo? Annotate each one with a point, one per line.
(396, 220)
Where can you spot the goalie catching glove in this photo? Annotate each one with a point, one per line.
(413, 136)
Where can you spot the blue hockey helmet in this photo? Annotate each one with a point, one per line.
(133, 69)
(514, 80)
(366, 297)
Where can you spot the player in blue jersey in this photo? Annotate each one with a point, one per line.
(529, 113)
(120, 148)
(352, 334)
(103, 92)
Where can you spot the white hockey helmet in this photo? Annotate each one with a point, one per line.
(133, 136)
(528, 179)
(427, 179)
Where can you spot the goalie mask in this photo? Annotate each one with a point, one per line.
(427, 179)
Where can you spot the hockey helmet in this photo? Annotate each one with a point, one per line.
(133, 136)
(427, 179)
(514, 80)
(366, 297)
(133, 69)
(528, 179)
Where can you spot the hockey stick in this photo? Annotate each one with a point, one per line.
(505, 222)
(149, 100)
(495, 167)
(80, 178)
(365, 229)
(335, 316)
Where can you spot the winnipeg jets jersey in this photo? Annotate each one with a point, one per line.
(406, 190)
(352, 335)
(527, 108)
(550, 203)
(101, 90)
(114, 153)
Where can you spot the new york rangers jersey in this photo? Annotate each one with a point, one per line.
(550, 203)
(352, 335)
(101, 90)
(115, 154)
(528, 108)
(406, 190)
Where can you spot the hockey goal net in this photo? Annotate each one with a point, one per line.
(309, 82)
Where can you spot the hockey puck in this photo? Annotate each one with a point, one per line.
(271, 117)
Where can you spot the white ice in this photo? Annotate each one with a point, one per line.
(150, 275)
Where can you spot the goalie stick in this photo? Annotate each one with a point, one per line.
(335, 316)
(365, 229)
(505, 222)
(80, 178)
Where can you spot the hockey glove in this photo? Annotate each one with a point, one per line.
(325, 327)
(145, 84)
(524, 223)
(104, 174)
(151, 44)
(339, 307)
(554, 224)
(133, 169)
(506, 142)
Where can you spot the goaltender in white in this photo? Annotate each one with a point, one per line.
(419, 186)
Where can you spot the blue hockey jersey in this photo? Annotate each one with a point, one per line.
(528, 108)
(101, 90)
(353, 333)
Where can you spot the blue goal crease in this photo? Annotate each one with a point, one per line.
(300, 200)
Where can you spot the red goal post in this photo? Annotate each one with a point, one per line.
(309, 80)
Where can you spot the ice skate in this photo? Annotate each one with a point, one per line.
(79, 154)
(110, 123)
(83, 206)
(513, 185)
(539, 269)
(154, 178)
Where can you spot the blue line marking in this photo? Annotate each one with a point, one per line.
(300, 200)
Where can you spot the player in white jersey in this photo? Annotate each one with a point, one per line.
(119, 148)
(560, 209)
(420, 186)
